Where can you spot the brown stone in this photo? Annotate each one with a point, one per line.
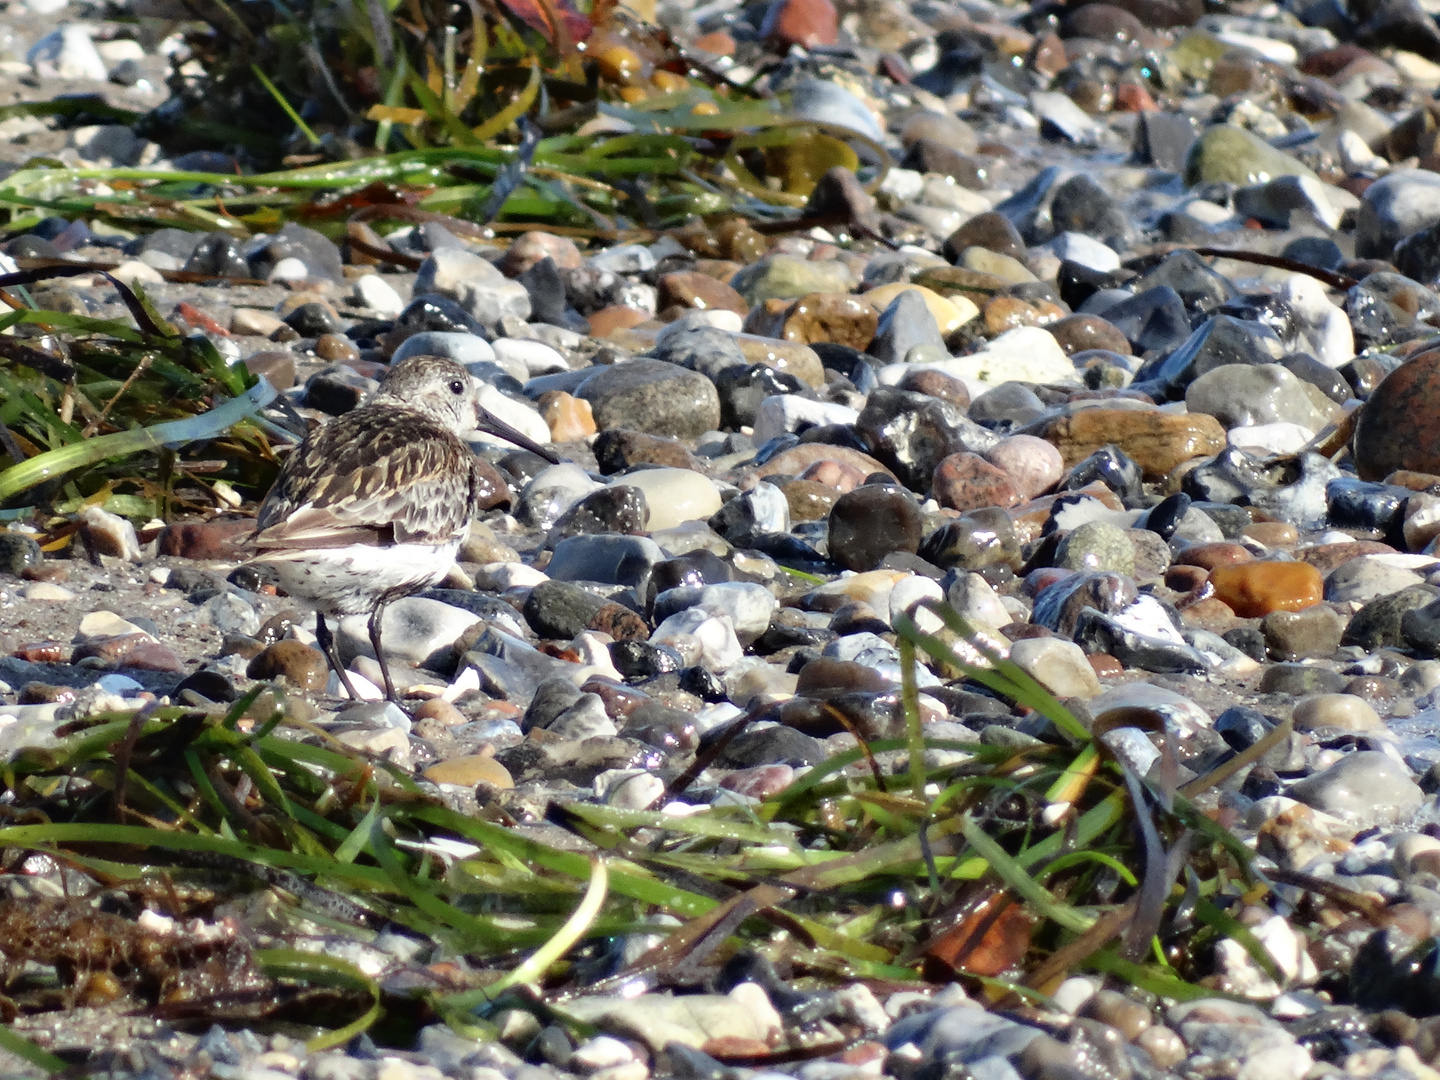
(693, 289)
(276, 366)
(1272, 533)
(153, 656)
(736, 240)
(937, 384)
(967, 481)
(439, 711)
(1077, 333)
(717, 43)
(946, 129)
(492, 490)
(1209, 614)
(221, 538)
(1157, 441)
(1329, 557)
(608, 320)
(471, 771)
(797, 459)
(568, 417)
(1007, 312)
(989, 230)
(336, 348)
(619, 448)
(1399, 427)
(1131, 97)
(619, 622)
(974, 285)
(529, 248)
(1047, 55)
(1415, 481)
(809, 500)
(759, 781)
(1105, 666)
(1211, 555)
(109, 648)
(807, 23)
(834, 317)
(305, 667)
(791, 357)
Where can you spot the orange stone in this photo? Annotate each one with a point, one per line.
(616, 317)
(692, 289)
(1209, 614)
(718, 42)
(835, 317)
(1255, 589)
(1132, 97)
(569, 417)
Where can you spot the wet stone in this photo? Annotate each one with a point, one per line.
(870, 522)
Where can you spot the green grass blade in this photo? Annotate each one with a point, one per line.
(26, 1050)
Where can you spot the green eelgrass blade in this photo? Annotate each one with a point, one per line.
(1015, 877)
(321, 969)
(67, 459)
(26, 1050)
(274, 90)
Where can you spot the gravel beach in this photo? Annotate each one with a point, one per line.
(1194, 495)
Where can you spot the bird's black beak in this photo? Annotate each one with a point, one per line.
(491, 424)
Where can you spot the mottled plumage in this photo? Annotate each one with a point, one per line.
(373, 506)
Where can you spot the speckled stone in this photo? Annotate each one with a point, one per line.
(836, 317)
(1097, 545)
(967, 481)
(1077, 333)
(1398, 427)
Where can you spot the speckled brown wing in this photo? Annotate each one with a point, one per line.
(377, 475)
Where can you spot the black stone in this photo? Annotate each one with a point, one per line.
(703, 684)
(431, 312)
(1364, 505)
(618, 508)
(1152, 320)
(312, 320)
(1248, 640)
(870, 522)
(742, 387)
(777, 745)
(219, 255)
(546, 289)
(1165, 517)
(1242, 727)
(1317, 251)
(1077, 282)
(1113, 468)
(1381, 622)
(642, 660)
(912, 433)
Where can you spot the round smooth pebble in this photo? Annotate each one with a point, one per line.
(1343, 711)
(1033, 465)
(674, 495)
(1058, 665)
(1255, 589)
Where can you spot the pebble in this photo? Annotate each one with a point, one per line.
(1113, 456)
(1256, 589)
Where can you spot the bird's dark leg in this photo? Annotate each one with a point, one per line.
(375, 617)
(326, 640)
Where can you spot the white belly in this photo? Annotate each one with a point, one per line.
(352, 580)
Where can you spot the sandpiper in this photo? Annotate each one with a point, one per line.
(373, 506)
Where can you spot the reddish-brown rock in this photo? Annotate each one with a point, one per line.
(806, 23)
(693, 289)
(967, 481)
(835, 317)
(1399, 427)
(221, 538)
(1077, 333)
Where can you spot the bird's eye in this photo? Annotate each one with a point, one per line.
(457, 387)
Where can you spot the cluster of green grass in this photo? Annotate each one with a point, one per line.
(850, 872)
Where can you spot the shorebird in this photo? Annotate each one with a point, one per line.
(372, 506)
